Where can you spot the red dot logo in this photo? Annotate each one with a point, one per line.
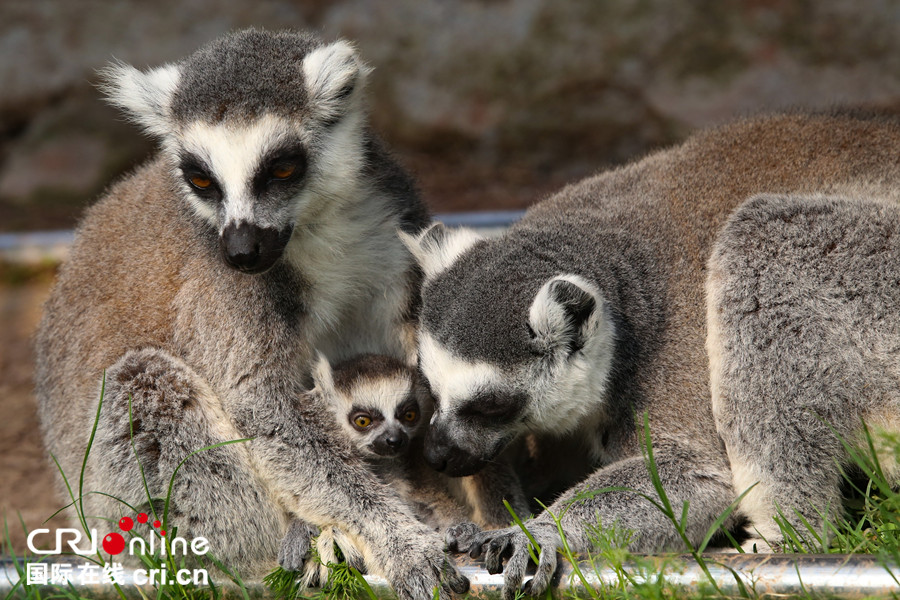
(162, 532)
(142, 518)
(113, 543)
(156, 524)
(126, 524)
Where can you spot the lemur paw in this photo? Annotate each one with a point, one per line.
(512, 545)
(427, 569)
(459, 538)
(296, 547)
(158, 388)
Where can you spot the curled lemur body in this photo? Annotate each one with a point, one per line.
(591, 311)
(382, 411)
(201, 284)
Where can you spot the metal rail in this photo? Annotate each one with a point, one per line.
(762, 576)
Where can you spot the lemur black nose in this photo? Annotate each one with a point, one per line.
(391, 443)
(252, 249)
(438, 464)
(435, 453)
(395, 442)
(241, 246)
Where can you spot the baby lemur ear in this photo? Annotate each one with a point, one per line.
(437, 248)
(322, 376)
(145, 96)
(565, 313)
(333, 74)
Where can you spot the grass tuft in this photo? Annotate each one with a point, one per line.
(344, 582)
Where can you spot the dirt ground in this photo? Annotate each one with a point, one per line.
(26, 480)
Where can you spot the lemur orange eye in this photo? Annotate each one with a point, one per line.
(362, 421)
(200, 182)
(410, 416)
(283, 171)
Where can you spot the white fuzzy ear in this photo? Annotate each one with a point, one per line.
(333, 73)
(438, 247)
(147, 97)
(323, 378)
(565, 313)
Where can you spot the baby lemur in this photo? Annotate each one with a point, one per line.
(382, 410)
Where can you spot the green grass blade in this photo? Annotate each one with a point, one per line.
(365, 584)
(717, 524)
(69, 489)
(87, 450)
(534, 545)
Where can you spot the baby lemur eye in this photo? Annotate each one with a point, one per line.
(362, 421)
(410, 416)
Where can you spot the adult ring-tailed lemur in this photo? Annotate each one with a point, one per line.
(592, 312)
(201, 283)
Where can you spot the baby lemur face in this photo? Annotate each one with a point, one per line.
(376, 401)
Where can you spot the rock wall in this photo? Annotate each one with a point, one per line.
(492, 103)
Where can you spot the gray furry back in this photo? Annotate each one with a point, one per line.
(803, 340)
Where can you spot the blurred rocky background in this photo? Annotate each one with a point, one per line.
(492, 103)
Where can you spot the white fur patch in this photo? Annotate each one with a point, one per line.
(758, 505)
(327, 71)
(569, 391)
(454, 379)
(233, 153)
(382, 393)
(146, 96)
(323, 375)
(437, 253)
(346, 251)
(334, 180)
(548, 317)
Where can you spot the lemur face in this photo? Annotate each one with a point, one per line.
(376, 402)
(260, 148)
(507, 346)
(380, 433)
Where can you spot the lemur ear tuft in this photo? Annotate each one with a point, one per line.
(437, 248)
(333, 73)
(322, 376)
(145, 96)
(565, 313)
